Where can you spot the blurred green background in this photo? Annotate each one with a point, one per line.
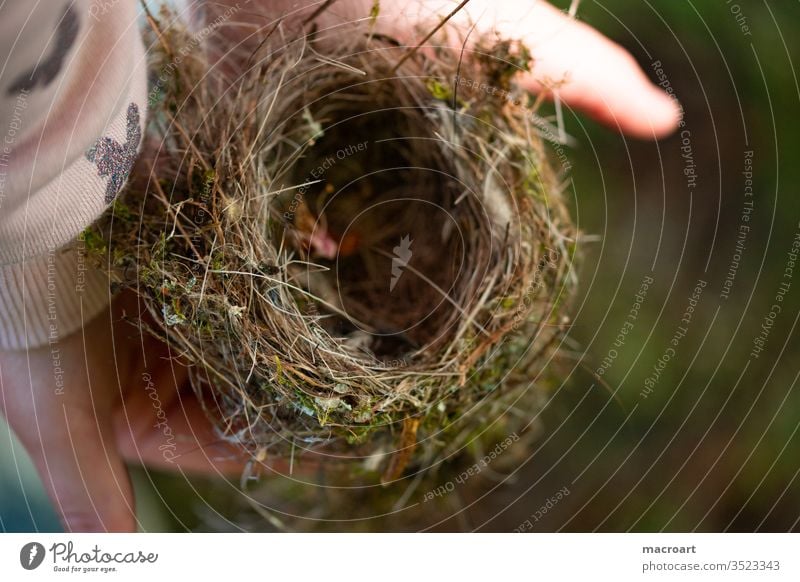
(714, 446)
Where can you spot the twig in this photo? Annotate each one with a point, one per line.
(444, 21)
(327, 4)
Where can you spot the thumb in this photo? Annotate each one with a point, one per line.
(62, 416)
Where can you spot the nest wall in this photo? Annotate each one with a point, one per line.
(359, 261)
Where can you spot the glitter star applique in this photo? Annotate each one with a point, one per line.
(115, 159)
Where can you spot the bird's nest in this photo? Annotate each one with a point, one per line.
(357, 259)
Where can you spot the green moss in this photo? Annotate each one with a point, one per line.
(375, 11)
(172, 314)
(363, 414)
(315, 129)
(217, 260)
(93, 241)
(504, 60)
(280, 378)
(439, 90)
(159, 250)
(357, 435)
(120, 210)
(120, 258)
(304, 403)
(443, 92)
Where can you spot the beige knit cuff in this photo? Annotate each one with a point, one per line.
(46, 298)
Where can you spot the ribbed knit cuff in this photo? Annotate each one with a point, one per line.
(47, 298)
(74, 97)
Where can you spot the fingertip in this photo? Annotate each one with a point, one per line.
(664, 114)
(643, 112)
(83, 474)
(639, 108)
(595, 75)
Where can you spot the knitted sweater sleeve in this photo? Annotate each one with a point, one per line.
(72, 106)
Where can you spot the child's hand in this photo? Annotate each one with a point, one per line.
(83, 410)
(596, 75)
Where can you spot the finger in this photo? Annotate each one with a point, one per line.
(68, 434)
(162, 425)
(588, 71)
